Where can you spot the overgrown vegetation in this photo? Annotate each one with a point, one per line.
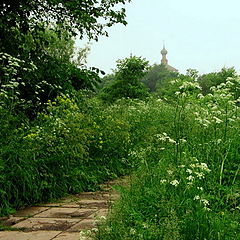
(188, 184)
(178, 136)
(47, 135)
(126, 80)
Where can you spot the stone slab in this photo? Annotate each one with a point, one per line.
(58, 204)
(39, 235)
(93, 195)
(12, 220)
(68, 236)
(48, 224)
(30, 211)
(89, 203)
(86, 224)
(62, 212)
(100, 214)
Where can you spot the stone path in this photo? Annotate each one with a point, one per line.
(63, 220)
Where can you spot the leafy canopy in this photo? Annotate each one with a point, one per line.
(89, 17)
(126, 82)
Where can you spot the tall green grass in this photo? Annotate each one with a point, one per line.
(188, 185)
(74, 145)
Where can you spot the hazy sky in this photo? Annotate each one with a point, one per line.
(200, 34)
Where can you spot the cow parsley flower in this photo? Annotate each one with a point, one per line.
(190, 178)
(174, 183)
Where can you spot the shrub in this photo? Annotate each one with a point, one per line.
(188, 184)
(126, 82)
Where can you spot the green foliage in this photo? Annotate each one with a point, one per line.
(209, 80)
(17, 18)
(12, 71)
(126, 82)
(158, 77)
(48, 159)
(41, 32)
(57, 71)
(70, 147)
(171, 88)
(188, 184)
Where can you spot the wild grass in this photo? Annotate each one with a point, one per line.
(185, 158)
(71, 147)
(188, 185)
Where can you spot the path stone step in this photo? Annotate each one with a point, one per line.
(66, 219)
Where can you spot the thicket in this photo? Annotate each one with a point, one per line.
(125, 82)
(58, 136)
(71, 145)
(188, 184)
(48, 140)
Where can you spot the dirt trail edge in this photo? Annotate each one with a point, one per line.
(66, 219)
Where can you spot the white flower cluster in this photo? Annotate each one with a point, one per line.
(190, 85)
(203, 201)
(165, 138)
(84, 235)
(195, 171)
(174, 183)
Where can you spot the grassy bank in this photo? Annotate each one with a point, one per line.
(188, 185)
(74, 145)
(184, 157)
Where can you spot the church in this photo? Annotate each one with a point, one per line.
(164, 60)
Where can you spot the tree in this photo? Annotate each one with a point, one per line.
(41, 32)
(56, 70)
(157, 76)
(91, 18)
(206, 81)
(126, 82)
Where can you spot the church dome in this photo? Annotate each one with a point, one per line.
(164, 51)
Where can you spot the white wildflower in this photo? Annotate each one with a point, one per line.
(204, 167)
(145, 225)
(102, 218)
(163, 180)
(174, 183)
(196, 197)
(217, 120)
(189, 171)
(170, 172)
(195, 159)
(205, 202)
(190, 178)
(207, 209)
(200, 175)
(171, 140)
(181, 166)
(182, 140)
(84, 235)
(132, 231)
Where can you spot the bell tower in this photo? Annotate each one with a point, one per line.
(164, 55)
(164, 60)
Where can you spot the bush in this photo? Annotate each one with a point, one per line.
(188, 184)
(126, 82)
